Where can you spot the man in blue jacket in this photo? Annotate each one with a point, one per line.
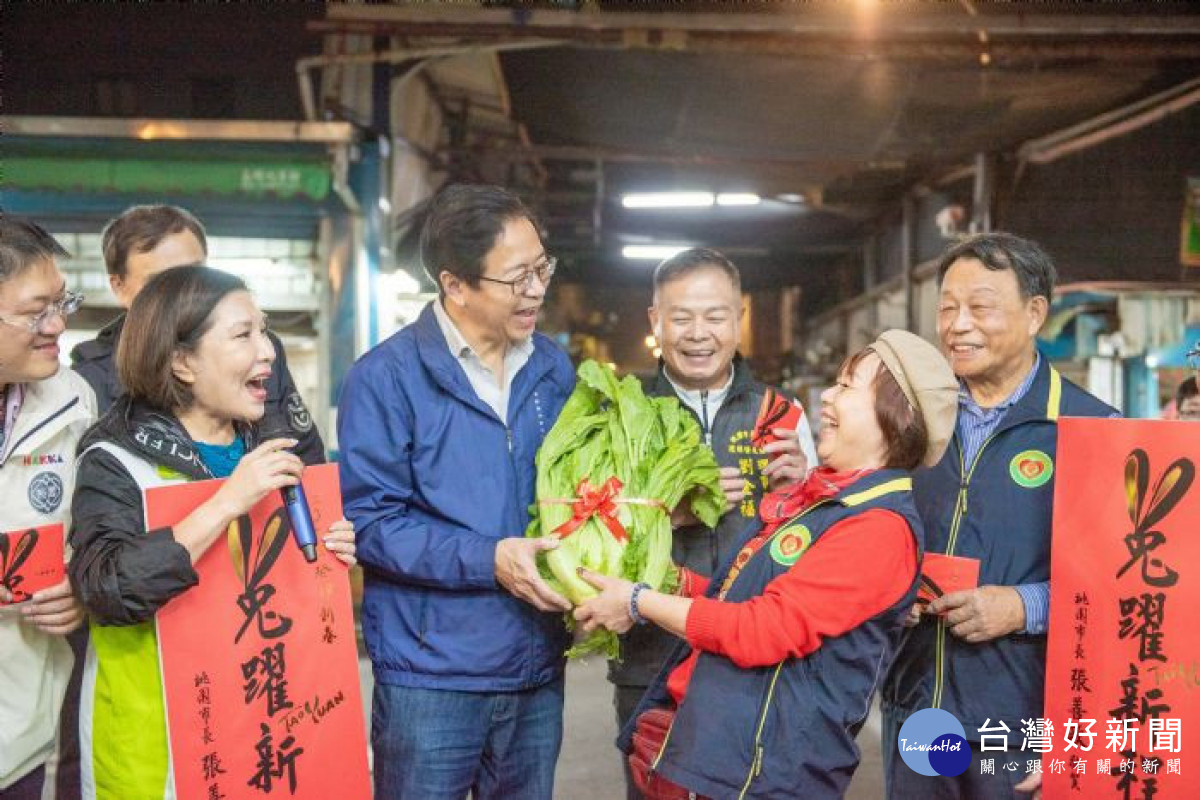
(438, 427)
(981, 654)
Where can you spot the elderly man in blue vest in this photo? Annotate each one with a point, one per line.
(981, 653)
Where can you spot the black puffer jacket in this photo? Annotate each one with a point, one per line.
(95, 361)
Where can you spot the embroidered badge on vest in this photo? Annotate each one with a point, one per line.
(1031, 468)
(789, 544)
(298, 416)
(40, 460)
(741, 443)
(751, 461)
(45, 492)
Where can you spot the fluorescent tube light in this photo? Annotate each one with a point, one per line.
(651, 252)
(668, 200)
(738, 199)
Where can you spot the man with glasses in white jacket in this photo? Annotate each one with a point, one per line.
(44, 410)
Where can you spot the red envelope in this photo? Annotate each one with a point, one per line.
(31, 560)
(776, 411)
(945, 574)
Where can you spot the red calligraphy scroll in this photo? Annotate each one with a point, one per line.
(1124, 657)
(31, 559)
(260, 669)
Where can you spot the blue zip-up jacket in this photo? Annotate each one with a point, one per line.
(432, 479)
(787, 730)
(997, 510)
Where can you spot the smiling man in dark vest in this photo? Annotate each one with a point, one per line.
(760, 435)
(981, 654)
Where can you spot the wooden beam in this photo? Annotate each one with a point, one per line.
(817, 19)
(625, 156)
(964, 46)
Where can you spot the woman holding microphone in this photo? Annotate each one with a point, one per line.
(194, 359)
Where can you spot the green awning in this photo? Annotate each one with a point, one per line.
(183, 170)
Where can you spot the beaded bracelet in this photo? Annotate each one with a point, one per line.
(634, 614)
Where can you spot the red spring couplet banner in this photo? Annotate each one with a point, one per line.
(1122, 680)
(31, 559)
(259, 664)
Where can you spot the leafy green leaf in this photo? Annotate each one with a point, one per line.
(609, 428)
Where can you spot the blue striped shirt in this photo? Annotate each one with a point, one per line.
(975, 425)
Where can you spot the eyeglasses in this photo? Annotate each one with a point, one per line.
(65, 307)
(544, 272)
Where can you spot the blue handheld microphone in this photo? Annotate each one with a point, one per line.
(303, 532)
(296, 503)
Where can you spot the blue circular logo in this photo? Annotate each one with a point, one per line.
(932, 742)
(950, 755)
(45, 492)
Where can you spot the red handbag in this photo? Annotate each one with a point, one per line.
(649, 733)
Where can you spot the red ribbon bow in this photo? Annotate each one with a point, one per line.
(597, 501)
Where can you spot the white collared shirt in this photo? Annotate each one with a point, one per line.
(483, 380)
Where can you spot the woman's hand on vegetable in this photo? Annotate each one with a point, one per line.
(788, 463)
(733, 485)
(268, 466)
(54, 610)
(339, 540)
(610, 608)
(516, 571)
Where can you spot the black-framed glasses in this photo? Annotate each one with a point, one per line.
(544, 272)
(68, 305)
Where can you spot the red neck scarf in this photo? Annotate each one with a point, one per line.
(778, 507)
(821, 484)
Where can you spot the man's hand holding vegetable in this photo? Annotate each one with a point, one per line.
(517, 571)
